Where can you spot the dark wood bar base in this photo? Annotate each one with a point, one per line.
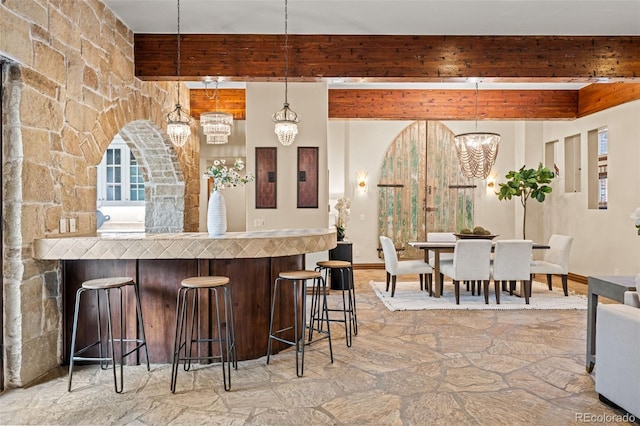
(159, 280)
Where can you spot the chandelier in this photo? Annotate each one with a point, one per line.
(178, 121)
(476, 151)
(286, 120)
(216, 125)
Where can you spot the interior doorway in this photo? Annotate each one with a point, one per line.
(421, 188)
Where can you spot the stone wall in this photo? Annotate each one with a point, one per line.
(69, 88)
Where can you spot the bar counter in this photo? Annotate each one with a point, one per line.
(159, 262)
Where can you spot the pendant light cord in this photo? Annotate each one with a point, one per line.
(178, 67)
(476, 106)
(286, 52)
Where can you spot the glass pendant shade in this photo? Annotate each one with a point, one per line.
(286, 125)
(477, 153)
(216, 126)
(178, 121)
(286, 120)
(178, 126)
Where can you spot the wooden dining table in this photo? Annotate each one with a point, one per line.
(445, 247)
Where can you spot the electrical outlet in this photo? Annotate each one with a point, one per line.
(362, 218)
(357, 253)
(72, 225)
(63, 226)
(259, 223)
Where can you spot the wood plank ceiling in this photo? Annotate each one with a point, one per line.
(398, 58)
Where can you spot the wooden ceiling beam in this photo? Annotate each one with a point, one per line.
(445, 104)
(598, 97)
(251, 57)
(231, 101)
(453, 104)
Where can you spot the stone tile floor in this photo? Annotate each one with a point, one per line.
(404, 368)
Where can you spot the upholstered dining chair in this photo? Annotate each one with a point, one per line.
(448, 237)
(394, 267)
(555, 260)
(512, 262)
(471, 262)
(441, 237)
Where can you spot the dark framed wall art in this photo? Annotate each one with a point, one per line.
(307, 177)
(266, 177)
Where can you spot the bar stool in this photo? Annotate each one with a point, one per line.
(185, 337)
(298, 340)
(105, 285)
(348, 309)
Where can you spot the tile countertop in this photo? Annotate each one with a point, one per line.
(185, 245)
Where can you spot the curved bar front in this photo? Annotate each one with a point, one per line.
(159, 262)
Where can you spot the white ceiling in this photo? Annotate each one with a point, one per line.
(408, 17)
(420, 17)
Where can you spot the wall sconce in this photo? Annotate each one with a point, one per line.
(361, 181)
(491, 182)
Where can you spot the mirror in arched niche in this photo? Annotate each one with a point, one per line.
(421, 188)
(140, 185)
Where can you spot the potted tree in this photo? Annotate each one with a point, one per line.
(526, 183)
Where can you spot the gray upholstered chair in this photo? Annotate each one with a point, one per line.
(471, 262)
(512, 262)
(555, 261)
(394, 267)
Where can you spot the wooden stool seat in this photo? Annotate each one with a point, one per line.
(104, 283)
(204, 282)
(333, 264)
(300, 275)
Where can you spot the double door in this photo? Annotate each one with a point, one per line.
(421, 188)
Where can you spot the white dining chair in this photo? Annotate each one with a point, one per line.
(448, 237)
(512, 262)
(440, 237)
(555, 260)
(471, 262)
(394, 267)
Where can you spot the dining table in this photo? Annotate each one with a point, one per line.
(438, 247)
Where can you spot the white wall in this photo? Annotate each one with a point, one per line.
(310, 102)
(605, 241)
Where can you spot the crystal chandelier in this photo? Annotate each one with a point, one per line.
(178, 121)
(476, 151)
(286, 120)
(216, 125)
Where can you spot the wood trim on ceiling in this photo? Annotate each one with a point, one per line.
(256, 57)
(447, 104)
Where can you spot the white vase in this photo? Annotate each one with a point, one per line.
(216, 214)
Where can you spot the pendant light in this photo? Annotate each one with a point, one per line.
(178, 121)
(477, 151)
(216, 125)
(286, 120)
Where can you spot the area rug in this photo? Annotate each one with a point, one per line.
(408, 297)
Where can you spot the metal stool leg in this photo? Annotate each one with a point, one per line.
(73, 335)
(141, 323)
(180, 324)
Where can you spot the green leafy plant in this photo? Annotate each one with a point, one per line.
(526, 183)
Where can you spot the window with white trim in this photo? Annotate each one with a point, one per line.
(598, 140)
(120, 180)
